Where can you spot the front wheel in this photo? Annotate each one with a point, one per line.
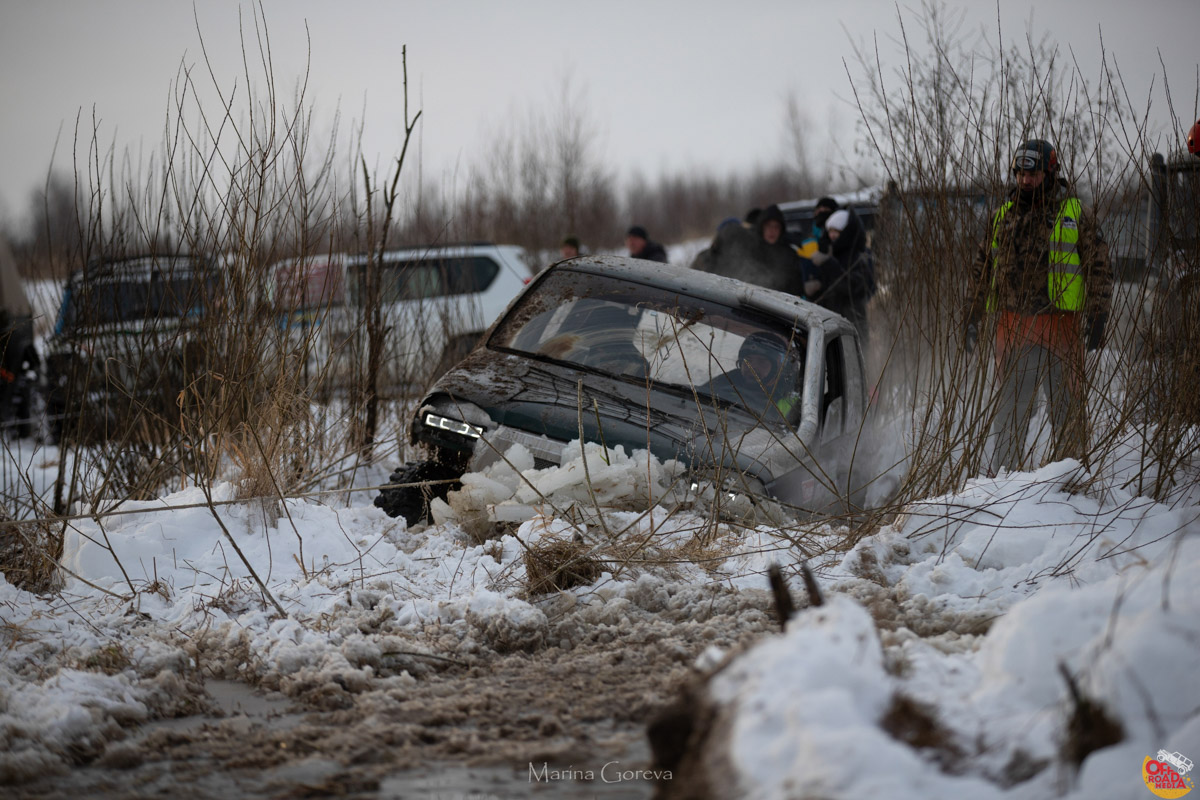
(411, 501)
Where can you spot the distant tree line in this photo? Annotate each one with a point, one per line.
(541, 177)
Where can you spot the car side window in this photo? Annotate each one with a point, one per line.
(470, 275)
(833, 401)
(444, 277)
(422, 280)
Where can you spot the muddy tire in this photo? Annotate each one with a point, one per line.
(412, 502)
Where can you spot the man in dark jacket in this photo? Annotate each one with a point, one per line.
(732, 245)
(640, 245)
(1042, 278)
(758, 255)
(780, 265)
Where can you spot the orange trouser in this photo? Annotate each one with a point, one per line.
(1036, 351)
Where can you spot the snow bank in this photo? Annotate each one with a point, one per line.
(805, 708)
(1048, 579)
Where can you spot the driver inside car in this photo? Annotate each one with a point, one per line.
(765, 377)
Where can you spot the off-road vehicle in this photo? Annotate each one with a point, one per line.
(126, 338)
(757, 392)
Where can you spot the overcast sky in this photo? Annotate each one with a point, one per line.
(669, 85)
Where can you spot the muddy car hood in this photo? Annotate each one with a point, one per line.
(546, 399)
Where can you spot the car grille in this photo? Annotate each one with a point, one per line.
(546, 452)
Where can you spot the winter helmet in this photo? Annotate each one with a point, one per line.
(1034, 155)
(765, 344)
(1194, 139)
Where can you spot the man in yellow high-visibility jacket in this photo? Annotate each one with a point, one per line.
(1042, 278)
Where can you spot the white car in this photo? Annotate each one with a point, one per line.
(435, 303)
(1177, 760)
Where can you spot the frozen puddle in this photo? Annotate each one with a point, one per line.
(238, 699)
(240, 705)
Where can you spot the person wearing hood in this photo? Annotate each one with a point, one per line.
(1043, 281)
(755, 252)
(640, 245)
(843, 275)
(778, 264)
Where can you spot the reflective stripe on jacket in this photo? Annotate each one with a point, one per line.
(1065, 285)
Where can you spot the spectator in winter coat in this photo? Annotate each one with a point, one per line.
(732, 245)
(569, 247)
(759, 254)
(1043, 278)
(843, 277)
(816, 240)
(821, 211)
(779, 262)
(640, 245)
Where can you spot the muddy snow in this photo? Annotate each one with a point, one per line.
(417, 662)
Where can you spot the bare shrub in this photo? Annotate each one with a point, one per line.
(944, 125)
(229, 385)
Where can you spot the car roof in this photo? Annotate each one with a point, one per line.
(102, 268)
(706, 286)
(422, 252)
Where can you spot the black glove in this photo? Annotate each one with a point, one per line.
(971, 337)
(1095, 331)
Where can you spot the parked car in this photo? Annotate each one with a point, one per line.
(20, 364)
(758, 392)
(126, 338)
(435, 303)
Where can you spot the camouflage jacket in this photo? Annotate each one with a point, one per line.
(1022, 277)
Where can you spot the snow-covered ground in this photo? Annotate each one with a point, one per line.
(970, 608)
(967, 607)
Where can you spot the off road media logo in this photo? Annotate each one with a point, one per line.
(1166, 774)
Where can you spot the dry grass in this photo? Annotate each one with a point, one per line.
(29, 555)
(556, 564)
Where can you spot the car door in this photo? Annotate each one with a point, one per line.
(825, 480)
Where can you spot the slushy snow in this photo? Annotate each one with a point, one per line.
(969, 606)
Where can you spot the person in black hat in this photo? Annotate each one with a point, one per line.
(640, 245)
(569, 248)
(821, 211)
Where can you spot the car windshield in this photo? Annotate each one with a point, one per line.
(648, 335)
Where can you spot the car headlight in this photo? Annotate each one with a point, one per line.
(453, 425)
(727, 487)
(700, 488)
